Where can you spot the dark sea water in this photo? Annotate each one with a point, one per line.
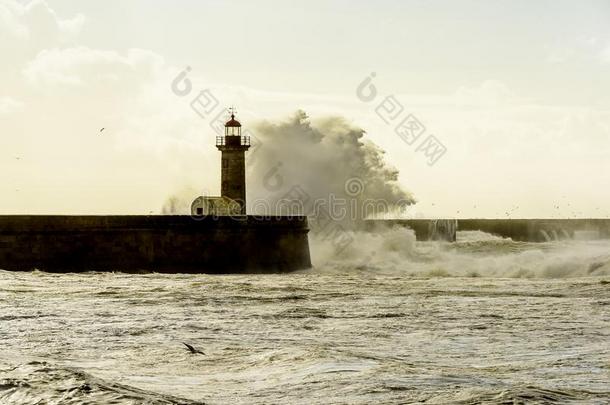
(485, 320)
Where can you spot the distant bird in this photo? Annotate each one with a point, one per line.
(102, 130)
(192, 349)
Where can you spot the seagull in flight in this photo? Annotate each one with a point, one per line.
(192, 349)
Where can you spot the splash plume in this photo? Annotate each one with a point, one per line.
(328, 159)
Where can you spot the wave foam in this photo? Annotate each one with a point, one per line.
(475, 254)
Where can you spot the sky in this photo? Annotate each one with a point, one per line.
(516, 92)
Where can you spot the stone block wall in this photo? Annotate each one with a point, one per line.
(171, 244)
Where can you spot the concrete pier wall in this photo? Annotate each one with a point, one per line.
(526, 230)
(538, 230)
(171, 244)
(425, 229)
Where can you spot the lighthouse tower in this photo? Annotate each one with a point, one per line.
(233, 167)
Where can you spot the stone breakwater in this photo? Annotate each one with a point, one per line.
(167, 244)
(523, 230)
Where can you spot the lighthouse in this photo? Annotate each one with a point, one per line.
(233, 146)
(232, 201)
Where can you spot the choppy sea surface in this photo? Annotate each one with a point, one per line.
(485, 320)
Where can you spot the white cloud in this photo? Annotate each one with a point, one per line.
(490, 93)
(605, 54)
(587, 49)
(25, 30)
(83, 66)
(9, 106)
(36, 19)
(72, 27)
(10, 24)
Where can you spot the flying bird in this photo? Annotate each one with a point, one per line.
(192, 349)
(102, 130)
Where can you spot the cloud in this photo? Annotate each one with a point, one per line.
(25, 30)
(490, 93)
(36, 20)
(152, 144)
(605, 55)
(590, 50)
(10, 21)
(72, 27)
(83, 66)
(9, 106)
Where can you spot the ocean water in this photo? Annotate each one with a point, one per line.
(485, 320)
